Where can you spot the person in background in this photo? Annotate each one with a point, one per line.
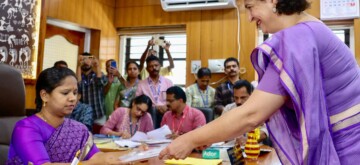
(124, 122)
(112, 87)
(200, 94)
(48, 137)
(127, 90)
(181, 118)
(308, 93)
(60, 63)
(83, 113)
(242, 91)
(224, 92)
(91, 84)
(164, 71)
(155, 87)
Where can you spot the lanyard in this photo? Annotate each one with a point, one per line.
(155, 93)
(230, 88)
(176, 131)
(136, 126)
(206, 100)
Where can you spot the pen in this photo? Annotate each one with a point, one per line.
(76, 160)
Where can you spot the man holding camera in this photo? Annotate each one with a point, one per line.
(91, 87)
(155, 87)
(164, 71)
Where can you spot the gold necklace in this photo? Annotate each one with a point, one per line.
(43, 116)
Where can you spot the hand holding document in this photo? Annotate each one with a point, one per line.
(139, 155)
(153, 137)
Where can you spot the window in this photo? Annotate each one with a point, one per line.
(132, 47)
(345, 34)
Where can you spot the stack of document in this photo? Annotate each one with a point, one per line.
(156, 136)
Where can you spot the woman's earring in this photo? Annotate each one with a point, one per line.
(274, 10)
(44, 104)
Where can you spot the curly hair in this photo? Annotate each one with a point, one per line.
(289, 7)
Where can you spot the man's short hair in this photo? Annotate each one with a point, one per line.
(152, 58)
(231, 59)
(58, 63)
(86, 54)
(178, 93)
(244, 83)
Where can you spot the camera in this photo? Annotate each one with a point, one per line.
(160, 42)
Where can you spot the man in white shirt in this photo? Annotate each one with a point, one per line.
(242, 91)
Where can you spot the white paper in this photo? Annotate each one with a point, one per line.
(127, 143)
(153, 137)
(139, 136)
(223, 144)
(141, 155)
(159, 133)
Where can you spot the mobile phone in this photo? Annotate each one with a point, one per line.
(113, 64)
(160, 42)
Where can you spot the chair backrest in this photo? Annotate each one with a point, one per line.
(12, 105)
(208, 112)
(156, 117)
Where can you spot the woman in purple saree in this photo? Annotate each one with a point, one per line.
(308, 91)
(36, 141)
(48, 137)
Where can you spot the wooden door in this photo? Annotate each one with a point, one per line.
(62, 44)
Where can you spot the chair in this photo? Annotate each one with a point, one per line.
(156, 117)
(208, 112)
(12, 106)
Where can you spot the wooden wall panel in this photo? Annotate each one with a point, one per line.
(211, 33)
(93, 14)
(217, 37)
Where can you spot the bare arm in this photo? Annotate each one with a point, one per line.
(259, 107)
(98, 158)
(107, 86)
(144, 55)
(171, 61)
(117, 101)
(78, 69)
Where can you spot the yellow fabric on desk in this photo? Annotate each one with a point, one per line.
(109, 145)
(194, 161)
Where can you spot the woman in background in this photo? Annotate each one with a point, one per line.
(48, 137)
(200, 94)
(308, 91)
(124, 122)
(127, 90)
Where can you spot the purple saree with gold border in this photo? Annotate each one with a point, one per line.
(321, 77)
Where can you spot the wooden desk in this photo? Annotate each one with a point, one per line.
(270, 158)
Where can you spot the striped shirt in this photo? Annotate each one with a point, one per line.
(92, 93)
(224, 94)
